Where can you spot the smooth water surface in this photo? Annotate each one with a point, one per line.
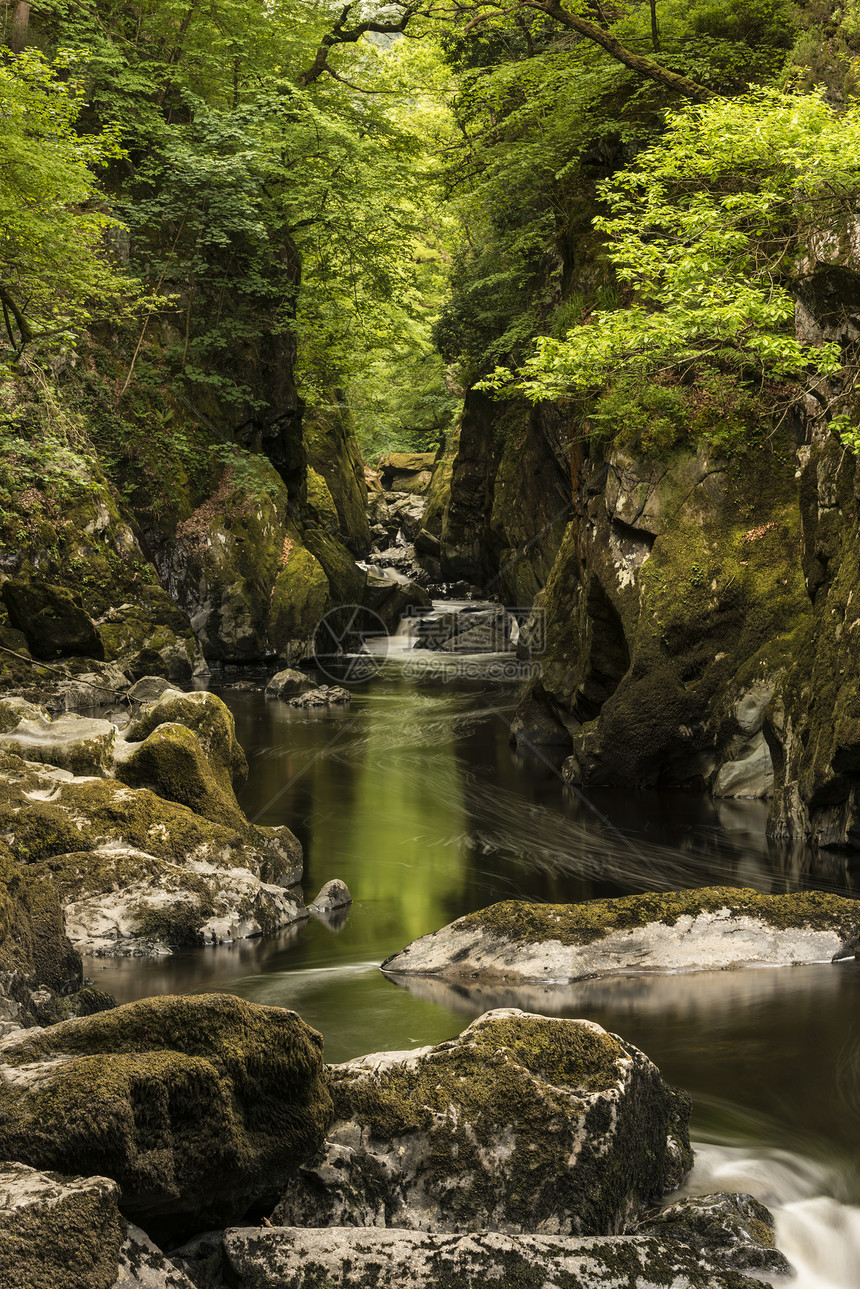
(415, 798)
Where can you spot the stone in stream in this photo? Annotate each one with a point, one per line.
(735, 1231)
(349, 1258)
(196, 1107)
(520, 1124)
(324, 696)
(287, 683)
(696, 930)
(334, 895)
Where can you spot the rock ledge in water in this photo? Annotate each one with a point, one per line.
(715, 927)
(293, 1258)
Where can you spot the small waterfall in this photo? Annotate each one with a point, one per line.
(817, 1232)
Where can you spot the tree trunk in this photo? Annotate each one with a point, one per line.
(19, 27)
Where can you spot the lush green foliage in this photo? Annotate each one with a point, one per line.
(707, 236)
(54, 277)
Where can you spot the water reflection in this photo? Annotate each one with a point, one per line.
(414, 797)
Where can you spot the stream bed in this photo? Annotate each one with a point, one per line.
(414, 797)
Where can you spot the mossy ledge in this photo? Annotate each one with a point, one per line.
(712, 928)
(591, 921)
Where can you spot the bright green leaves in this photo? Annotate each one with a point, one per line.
(708, 236)
(55, 274)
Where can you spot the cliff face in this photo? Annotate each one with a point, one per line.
(509, 497)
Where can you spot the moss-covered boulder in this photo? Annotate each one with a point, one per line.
(51, 618)
(196, 1107)
(58, 1232)
(298, 601)
(172, 762)
(697, 930)
(521, 1124)
(292, 1258)
(210, 719)
(136, 873)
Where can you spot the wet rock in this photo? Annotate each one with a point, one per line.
(52, 620)
(406, 471)
(57, 1232)
(172, 763)
(696, 930)
(287, 683)
(333, 895)
(210, 719)
(537, 724)
(521, 1124)
(196, 1107)
(292, 1258)
(148, 689)
(324, 696)
(733, 1231)
(142, 1265)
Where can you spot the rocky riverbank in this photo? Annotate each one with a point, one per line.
(524, 1145)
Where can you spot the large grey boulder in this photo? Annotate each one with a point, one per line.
(292, 1258)
(715, 927)
(520, 1124)
(57, 1232)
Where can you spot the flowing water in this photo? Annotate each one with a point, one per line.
(414, 797)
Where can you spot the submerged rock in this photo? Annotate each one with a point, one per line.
(735, 1231)
(57, 1232)
(196, 1107)
(521, 1124)
(292, 1258)
(676, 931)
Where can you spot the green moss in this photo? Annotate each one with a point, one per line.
(333, 453)
(512, 1086)
(190, 1104)
(173, 764)
(299, 599)
(70, 1241)
(585, 923)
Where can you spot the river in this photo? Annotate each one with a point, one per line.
(414, 797)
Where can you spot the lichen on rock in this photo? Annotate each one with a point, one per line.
(522, 1123)
(659, 931)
